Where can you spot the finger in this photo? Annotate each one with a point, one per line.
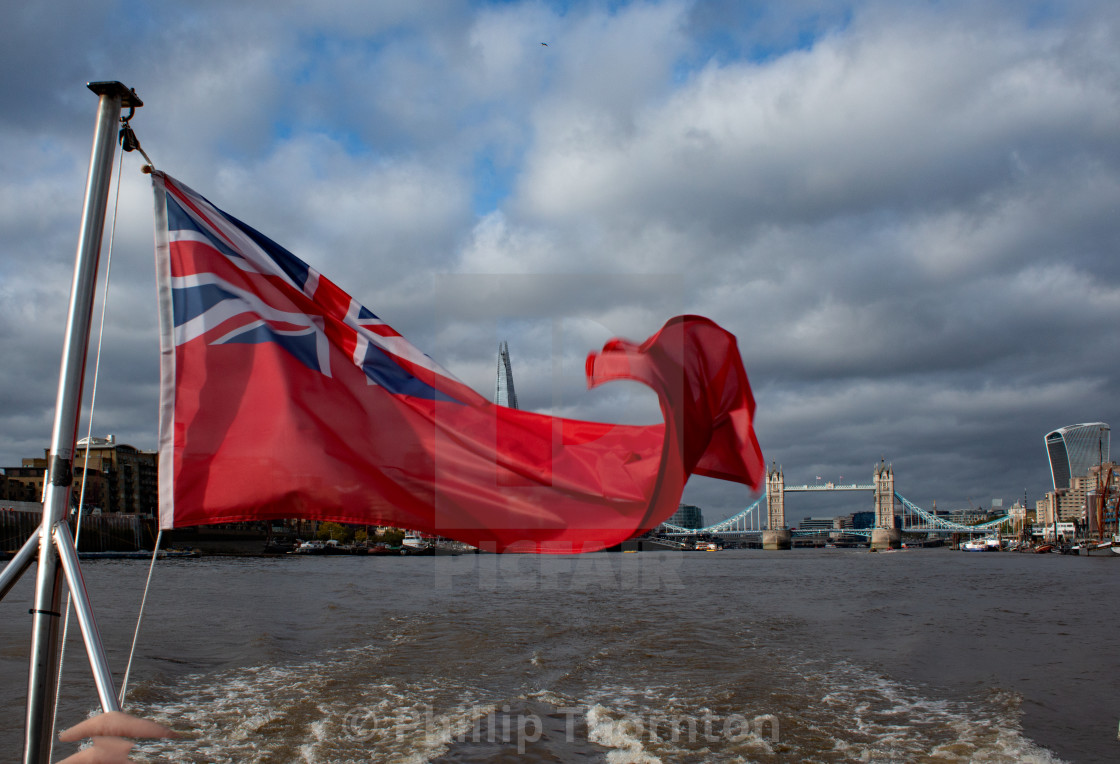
(100, 754)
(117, 724)
(113, 745)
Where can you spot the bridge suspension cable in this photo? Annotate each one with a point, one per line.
(931, 521)
(743, 522)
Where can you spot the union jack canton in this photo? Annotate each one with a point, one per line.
(257, 291)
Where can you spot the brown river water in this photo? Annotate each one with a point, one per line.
(827, 655)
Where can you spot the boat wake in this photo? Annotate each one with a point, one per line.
(350, 706)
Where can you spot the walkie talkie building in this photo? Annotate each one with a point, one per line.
(1076, 448)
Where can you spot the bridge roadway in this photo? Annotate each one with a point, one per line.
(830, 487)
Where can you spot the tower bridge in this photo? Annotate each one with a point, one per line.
(884, 534)
(776, 535)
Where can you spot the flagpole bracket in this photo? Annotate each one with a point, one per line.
(128, 95)
(62, 471)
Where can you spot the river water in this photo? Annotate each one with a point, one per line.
(733, 656)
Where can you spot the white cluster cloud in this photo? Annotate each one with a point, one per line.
(905, 211)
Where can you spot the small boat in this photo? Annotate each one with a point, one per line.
(310, 547)
(414, 541)
(278, 547)
(140, 555)
(1095, 549)
(330, 546)
(981, 545)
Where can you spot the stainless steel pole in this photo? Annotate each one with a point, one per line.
(18, 565)
(42, 679)
(102, 676)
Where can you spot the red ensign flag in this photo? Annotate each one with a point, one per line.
(283, 397)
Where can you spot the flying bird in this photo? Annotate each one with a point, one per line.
(544, 44)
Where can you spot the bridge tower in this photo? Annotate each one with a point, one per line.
(776, 535)
(885, 535)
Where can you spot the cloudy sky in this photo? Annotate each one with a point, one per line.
(907, 212)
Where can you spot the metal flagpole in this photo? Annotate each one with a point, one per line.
(42, 677)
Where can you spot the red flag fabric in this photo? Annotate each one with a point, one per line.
(282, 397)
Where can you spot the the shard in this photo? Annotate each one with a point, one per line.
(504, 394)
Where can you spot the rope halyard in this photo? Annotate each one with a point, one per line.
(139, 618)
(129, 142)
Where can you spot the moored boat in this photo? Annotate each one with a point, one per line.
(309, 547)
(414, 541)
(140, 555)
(1095, 549)
(981, 545)
(1100, 546)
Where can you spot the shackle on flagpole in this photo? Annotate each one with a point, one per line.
(127, 137)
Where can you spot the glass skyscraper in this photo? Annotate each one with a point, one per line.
(504, 394)
(687, 516)
(1076, 448)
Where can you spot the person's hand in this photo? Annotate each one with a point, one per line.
(109, 731)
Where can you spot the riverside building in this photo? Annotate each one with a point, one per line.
(1076, 502)
(109, 476)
